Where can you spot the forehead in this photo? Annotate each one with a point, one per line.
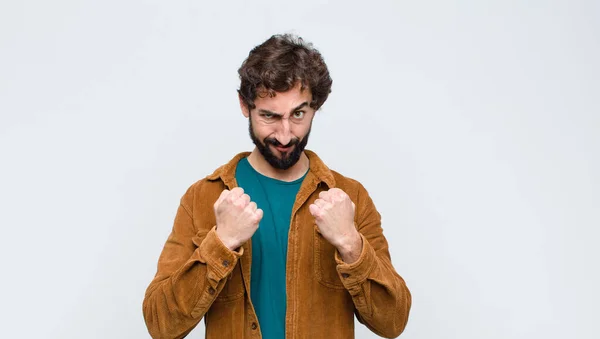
(283, 102)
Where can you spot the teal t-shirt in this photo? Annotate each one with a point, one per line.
(269, 245)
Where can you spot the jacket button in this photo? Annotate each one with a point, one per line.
(211, 291)
(345, 275)
(225, 263)
(254, 326)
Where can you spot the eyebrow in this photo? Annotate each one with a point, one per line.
(264, 111)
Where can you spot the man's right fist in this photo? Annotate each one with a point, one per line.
(237, 217)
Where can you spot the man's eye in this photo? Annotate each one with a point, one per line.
(268, 115)
(298, 114)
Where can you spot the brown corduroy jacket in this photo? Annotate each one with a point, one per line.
(198, 277)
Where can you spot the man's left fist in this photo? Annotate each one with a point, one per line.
(334, 215)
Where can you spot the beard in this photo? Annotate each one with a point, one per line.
(288, 159)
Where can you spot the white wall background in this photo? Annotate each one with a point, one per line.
(475, 125)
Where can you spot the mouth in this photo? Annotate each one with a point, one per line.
(283, 149)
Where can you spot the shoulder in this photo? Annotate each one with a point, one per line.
(365, 207)
(221, 177)
(333, 178)
(351, 186)
(202, 194)
(205, 191)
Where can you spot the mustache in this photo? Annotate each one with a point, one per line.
(276, 143)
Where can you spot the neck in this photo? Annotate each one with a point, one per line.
(258, 162)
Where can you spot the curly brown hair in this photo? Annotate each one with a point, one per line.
(278, 64)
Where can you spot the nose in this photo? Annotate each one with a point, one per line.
(284, 134)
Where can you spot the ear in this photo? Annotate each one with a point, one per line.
(244, 107)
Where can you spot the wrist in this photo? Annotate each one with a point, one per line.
(351, 248)
(231, 244)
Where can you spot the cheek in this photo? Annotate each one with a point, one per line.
(258, 130)
(301, 131)
(264, 133)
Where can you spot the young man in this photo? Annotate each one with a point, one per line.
(274, 244)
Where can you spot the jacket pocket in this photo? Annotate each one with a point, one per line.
(226, 319)
(324, 262)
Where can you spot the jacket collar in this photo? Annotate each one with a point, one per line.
(316, 166)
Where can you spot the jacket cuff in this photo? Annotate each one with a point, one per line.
(220, 259)
(356, 273)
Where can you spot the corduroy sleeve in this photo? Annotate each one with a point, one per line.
(192, 271)
(380, 295)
